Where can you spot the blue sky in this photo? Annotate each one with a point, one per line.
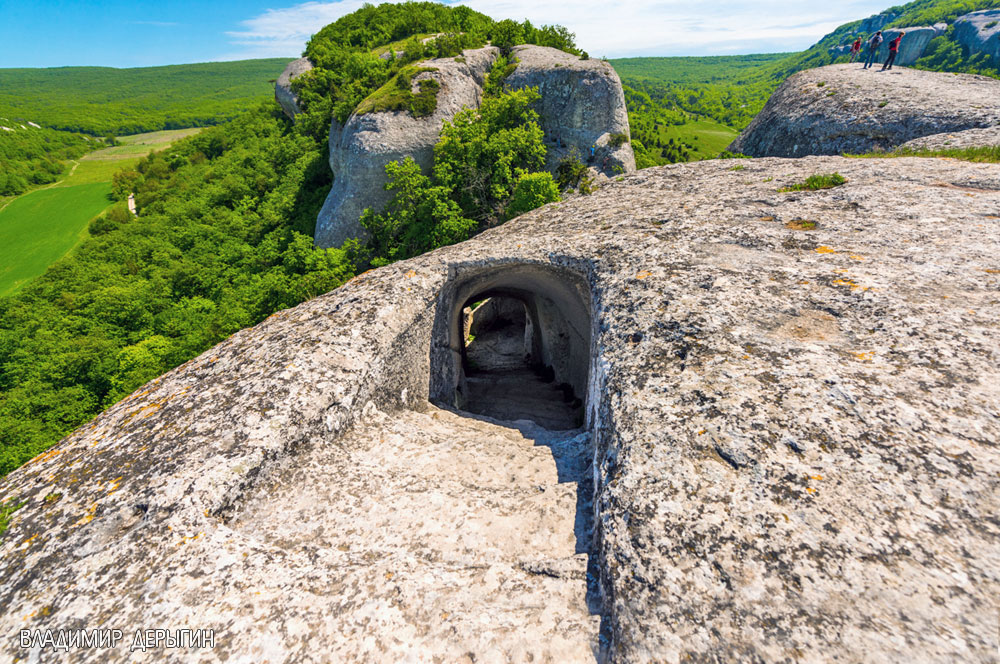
(119, 33)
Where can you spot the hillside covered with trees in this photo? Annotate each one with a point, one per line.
(33, 155)
(104, 100)
(224, 233)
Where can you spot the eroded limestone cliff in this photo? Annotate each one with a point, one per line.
(791, 425)
(582, 105)
(847, 109)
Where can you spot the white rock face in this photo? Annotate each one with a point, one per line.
(793, 438)
(970, 138)
(912, 47)
(847, 109)
(360, 151)
(287, 99)
(582, 105)
(980, 32)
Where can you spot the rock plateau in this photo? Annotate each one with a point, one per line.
(789, 450)
(846, 109)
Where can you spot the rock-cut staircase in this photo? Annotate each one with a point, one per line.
(437, 537)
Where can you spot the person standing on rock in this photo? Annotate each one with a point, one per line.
(893, 51)
(855, 49)
(873, 46)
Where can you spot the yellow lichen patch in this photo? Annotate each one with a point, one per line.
(389, 575)
(411, 274)
(865, 357)
(28, 541)
(645, 274)
(847, 282)
(767, 218)
(988, 271)
(45, 456)
(702, 432)
(816, 477)
(825, 250)
(88, 517)
(810, 489)
(113, 486)
(841, 271)
(857, 258)
(189, 538)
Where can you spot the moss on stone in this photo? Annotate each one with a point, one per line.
(397, 94)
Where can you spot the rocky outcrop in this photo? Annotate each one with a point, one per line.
(283, 93)
(582, 106)
(970, 138)
(979, 32)
(846, 109)
(361, 149)
(792, 429)
(912, 47)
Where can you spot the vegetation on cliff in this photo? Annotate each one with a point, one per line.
(351, 61)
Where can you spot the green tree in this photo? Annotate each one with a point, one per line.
(480, 153)
(532, 190)
(418, 218)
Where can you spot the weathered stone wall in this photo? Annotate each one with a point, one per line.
(361, 149)
(846, 109)
(795, 426)
(582, 105)
(972, 33)
(286, 98)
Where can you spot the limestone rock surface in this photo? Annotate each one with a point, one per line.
(847, 109)
(792, 433)
(914, 43)
(582, 106)
(979, 32)
(361, 149)
(283, 93)
(970, 138)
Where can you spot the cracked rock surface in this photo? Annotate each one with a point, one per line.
(847, 109)
(793, 422)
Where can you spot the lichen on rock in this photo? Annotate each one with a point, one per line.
(792, 430)
(846, 109)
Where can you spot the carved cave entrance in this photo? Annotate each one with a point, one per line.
(517, 346)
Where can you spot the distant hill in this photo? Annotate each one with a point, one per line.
(105, 100)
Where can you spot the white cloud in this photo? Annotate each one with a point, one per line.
(614, 28)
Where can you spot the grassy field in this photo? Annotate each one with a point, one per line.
(707, 136)
(41, 226)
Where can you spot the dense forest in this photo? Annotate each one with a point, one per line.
(224, 235)
(33, 155)
(103, 100)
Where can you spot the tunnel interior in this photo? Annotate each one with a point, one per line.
(517, 346)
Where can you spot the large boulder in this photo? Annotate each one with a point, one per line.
(970, 138)
(979, 32)
(361, 149)
(582, 107)
(792, 437)
(846, 109)
(912, 47)
(287, 99)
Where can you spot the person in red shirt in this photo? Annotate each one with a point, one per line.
(893, 51)
(855, 49)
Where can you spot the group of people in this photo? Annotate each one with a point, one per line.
(873, 45)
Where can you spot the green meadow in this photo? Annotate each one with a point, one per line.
(40, 227)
